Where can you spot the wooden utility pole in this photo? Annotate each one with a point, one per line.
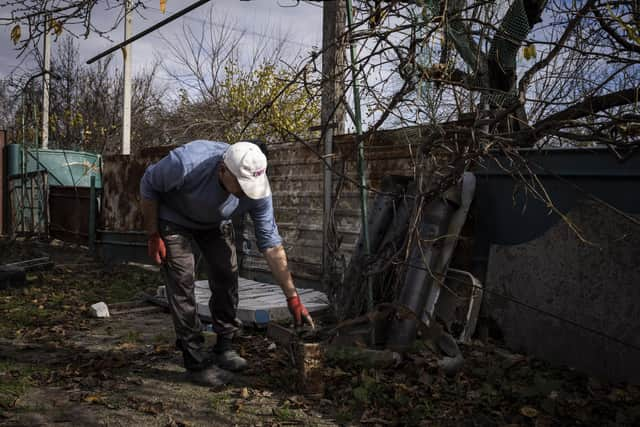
(332, 108)
(333, 63)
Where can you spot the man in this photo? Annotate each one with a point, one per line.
(188, 197)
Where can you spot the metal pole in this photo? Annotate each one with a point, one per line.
(126, 75)
(361, 161)
(328, 190)
(45, 86)
(92, 215)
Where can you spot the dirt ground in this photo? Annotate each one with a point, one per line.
(58, 366)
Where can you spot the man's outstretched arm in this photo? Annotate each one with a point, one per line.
(277, 260)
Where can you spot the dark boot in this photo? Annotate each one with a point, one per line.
(193, 360)
(226, 357)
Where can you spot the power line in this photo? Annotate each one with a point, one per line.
(243, 30)
(149, 30)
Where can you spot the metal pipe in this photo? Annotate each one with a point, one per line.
(148, 30)
(361, 161)
(328, 190)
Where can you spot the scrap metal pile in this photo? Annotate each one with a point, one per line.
(411, 290)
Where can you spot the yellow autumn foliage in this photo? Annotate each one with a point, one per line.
(15, 34)
(268, 99)
(56, 26)
(529, 52)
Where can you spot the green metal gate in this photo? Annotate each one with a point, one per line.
(49, 191)
(28, 196)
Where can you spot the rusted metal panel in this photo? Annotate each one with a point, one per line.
(69, 213)
(121, 176)
(121, 179)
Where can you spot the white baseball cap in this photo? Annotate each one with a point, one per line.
(248, 164)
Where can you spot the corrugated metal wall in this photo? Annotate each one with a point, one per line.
(296, 176)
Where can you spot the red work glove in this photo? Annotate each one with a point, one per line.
(299, 311)
(156, 248)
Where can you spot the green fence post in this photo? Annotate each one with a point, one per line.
(92, 215)
(362, 167)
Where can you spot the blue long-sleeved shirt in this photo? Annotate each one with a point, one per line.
(185, 184)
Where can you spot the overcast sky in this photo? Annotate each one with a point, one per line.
(302, 25)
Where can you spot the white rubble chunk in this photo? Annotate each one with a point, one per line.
(99, 310)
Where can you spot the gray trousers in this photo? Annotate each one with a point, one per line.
(217, 247)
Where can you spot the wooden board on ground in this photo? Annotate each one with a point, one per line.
(259, 303)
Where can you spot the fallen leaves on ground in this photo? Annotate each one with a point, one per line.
(495, 387)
